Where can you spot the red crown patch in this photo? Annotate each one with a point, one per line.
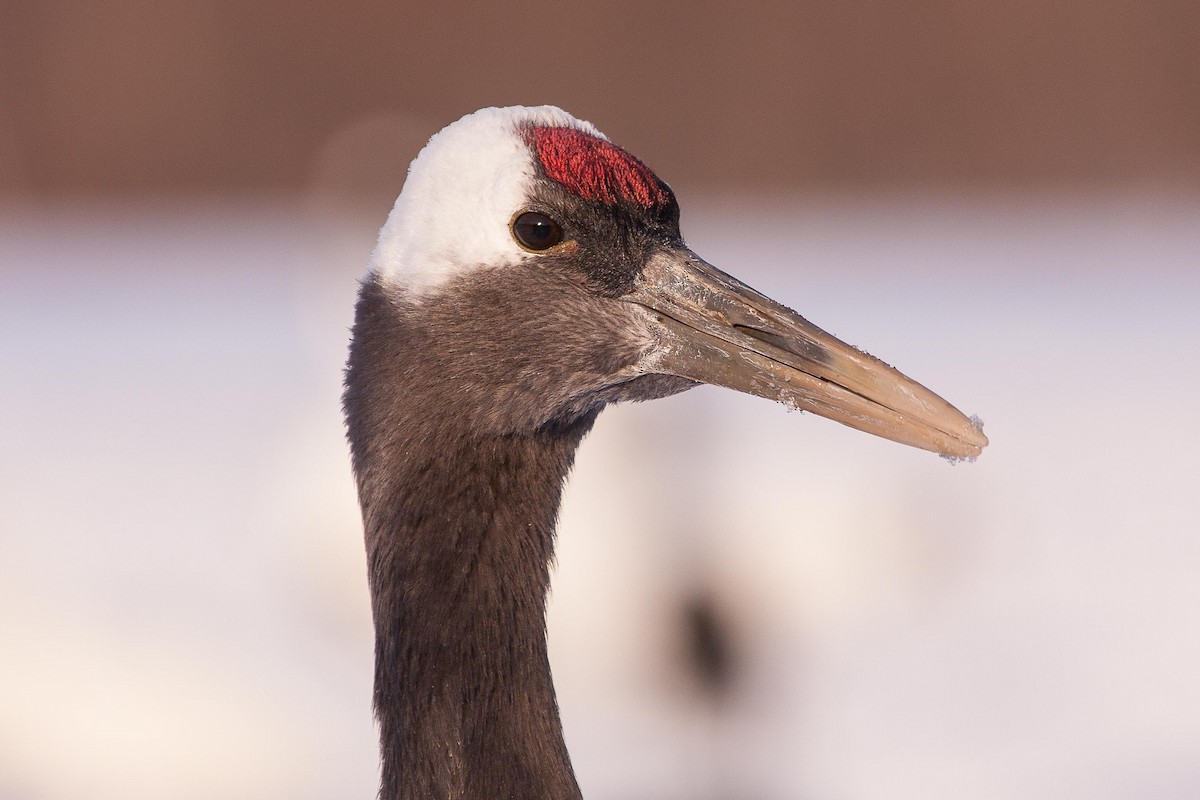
(595, 168)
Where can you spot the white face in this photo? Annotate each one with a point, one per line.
(458, 202)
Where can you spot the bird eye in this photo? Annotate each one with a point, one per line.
(536, 231)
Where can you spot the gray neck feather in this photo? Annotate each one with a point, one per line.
(460, 534)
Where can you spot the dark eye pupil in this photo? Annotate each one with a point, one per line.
(537, 231)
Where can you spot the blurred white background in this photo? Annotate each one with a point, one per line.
(183, 602)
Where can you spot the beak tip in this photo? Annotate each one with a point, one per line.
(980, 438)
(967, 445)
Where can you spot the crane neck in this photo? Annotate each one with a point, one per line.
(459, 573)
(460, 535)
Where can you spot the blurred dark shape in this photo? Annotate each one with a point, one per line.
(709, 645)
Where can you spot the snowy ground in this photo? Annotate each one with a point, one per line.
(183, 610)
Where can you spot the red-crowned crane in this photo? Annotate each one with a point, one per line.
(530, 273)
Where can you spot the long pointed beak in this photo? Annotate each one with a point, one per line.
(717, 330)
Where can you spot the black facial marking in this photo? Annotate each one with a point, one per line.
(609, 245)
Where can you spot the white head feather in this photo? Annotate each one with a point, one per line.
(462, 191)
